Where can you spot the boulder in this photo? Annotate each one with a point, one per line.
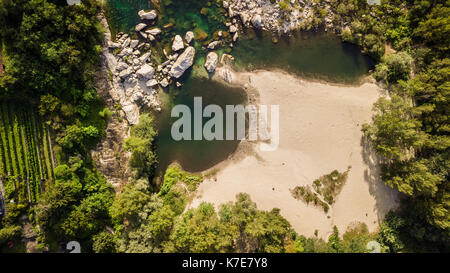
(244, 17)
(144, 57)
(140, 26)
(126, 73)
(256, 21)
(189, 36)
(134, 43)
(226, 75)
(153, 31)
(113, 45)
(151, 15)
(214, 44)
(177, 43)
(233, 29)
(211, 61)
(121, 66)
(183, 62)
(151, 37)
(164, 82)
(146, 71)
(126, 43)
(151, 83)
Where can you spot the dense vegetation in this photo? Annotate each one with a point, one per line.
(411, 128)
(50, 52)
(26, 160)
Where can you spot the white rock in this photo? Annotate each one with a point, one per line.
(177, 43)
(256, 21)
(134, 43)
(145, 57)
(233, 29)
(126, 43)
(153, 31)
(121, 66)
(146, 71)
(151, 15)
(125, 73)
(140, 26)
(211, 61)
(143, 34)
(214, 44)
(164, 82)
(235, 37)
(151, 83)
(189, 36)
(183, 62)
(126, 52)
(113, 45)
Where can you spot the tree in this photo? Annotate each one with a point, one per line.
(104, 242)
(395, 132)
(140, 144)
(399, 66)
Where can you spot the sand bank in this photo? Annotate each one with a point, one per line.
(320, 131)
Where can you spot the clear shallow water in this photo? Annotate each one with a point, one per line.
(314, 55)
(123, 14)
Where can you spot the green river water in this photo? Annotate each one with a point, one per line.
(313, 55)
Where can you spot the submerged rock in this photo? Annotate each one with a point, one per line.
(211, 61)
(151, 15)
(177, 43)
(183, 62)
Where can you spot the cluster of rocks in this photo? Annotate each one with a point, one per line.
(280, 16)
(131, 73)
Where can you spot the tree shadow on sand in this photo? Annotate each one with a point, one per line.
(385, 197)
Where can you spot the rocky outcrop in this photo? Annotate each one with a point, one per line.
(129, 71)
(183, 62)
(211, 62)
(277, 16)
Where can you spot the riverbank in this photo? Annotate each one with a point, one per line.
(320, 131)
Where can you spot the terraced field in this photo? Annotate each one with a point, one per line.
(26, 160)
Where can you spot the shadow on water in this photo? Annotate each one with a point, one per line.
(195, 155)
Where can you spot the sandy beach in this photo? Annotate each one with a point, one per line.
(320, 131)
